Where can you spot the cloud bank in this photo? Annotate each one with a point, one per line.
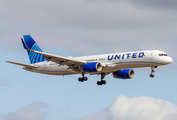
(137, 108)
(90, 26)
(29, 112)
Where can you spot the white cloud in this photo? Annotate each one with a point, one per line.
(29, 112)
(137, 108)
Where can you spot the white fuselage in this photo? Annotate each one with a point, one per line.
(110, 62)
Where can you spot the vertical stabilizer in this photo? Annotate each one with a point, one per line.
(29, 43)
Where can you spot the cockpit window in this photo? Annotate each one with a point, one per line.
(163, 55)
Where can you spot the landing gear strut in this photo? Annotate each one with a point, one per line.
(83, 78)
(102, 81)
(152, 71)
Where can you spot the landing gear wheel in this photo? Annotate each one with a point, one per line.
(99, 83)
(151, 75)
(85, 78)
(103, 82)
(80, 80)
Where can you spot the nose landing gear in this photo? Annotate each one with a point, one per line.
(152, 71)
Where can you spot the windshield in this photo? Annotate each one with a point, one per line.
(163, 55)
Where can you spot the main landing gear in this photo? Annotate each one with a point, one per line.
(102, 81)
(83, 78)
(152, 71)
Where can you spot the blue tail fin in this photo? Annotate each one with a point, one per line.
(29, 43)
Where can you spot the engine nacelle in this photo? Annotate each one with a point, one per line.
(92, 67)
(124, 74)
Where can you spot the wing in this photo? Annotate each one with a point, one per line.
(22, 64)
(71, 63)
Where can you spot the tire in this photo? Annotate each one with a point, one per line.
(80, 79)
(85, 78)
(151, 75)
(99, 83)
(104, 82)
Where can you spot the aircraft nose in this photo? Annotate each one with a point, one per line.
(169, 60)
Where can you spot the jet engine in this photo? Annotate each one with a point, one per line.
(92, 67)
(124, 74)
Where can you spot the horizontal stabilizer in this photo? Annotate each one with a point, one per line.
(22, 64)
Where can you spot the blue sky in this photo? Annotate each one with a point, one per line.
(86, 27)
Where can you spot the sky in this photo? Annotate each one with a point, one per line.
(87, 27)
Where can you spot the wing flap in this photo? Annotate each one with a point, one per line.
(22, 64)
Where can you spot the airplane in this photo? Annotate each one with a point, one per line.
(119, 64)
